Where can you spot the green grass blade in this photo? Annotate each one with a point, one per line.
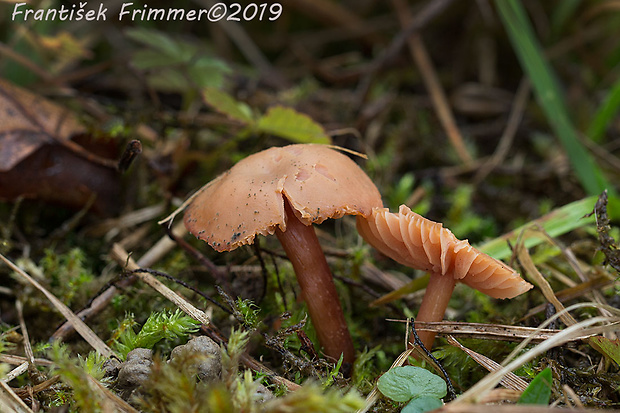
(557, 222)
(548, 94)
(606, 114)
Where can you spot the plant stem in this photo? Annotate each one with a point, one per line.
(317, 286)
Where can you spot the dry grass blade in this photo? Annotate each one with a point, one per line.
(526, 261)
(77, 323)
(490, 331)
(10, 402)
(16, 372)
(501, 395)
(512, 125)
(122, 257)
(431, 80)
(25, 335)
(17, 360)
(112, 403)
(574, 292)
(480, 389)
(511, 408)
(510, 380)
(161, 247)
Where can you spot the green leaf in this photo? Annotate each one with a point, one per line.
(539, 390)
(227, 105)
(607, 347)
(290, 124)
(159, 41)
(422, 404)
(151, 59)
(404, 383)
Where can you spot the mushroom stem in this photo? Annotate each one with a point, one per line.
(434, 304)
(317, 285)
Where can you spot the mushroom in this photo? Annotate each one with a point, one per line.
(417, 242)
(284, 190)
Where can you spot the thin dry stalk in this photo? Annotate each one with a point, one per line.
(10, 402)
(510, 408)
(501, 395)
(25, 335)
(510, 380)
(484, 331)
(429, 75)
(489, 331)
(512, 125)
(16, 372)
(154, 254)
(17, 360)
(81, 327)
(573, 292)
(122, 258)
(570, 395)
(480, 389)
(526, 261)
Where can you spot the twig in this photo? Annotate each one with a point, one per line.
(25, 62)
(248, 48)
(423, 17)
(429, 75)
(219, 276)
(162, 247)
(182, 283)
(512, 125)
(417, 342)
(510, 380)
(77, 323)
(121, 256)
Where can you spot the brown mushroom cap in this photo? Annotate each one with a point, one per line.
(247, 200)
(417, 242)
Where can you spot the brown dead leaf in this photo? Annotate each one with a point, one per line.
(28, 121)
(40, 159)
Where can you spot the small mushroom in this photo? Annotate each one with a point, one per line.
(284, 190)
(417, 242)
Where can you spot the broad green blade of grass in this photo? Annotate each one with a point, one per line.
(548, 94)
(557, 222)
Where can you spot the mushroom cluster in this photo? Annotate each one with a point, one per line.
(284, 190)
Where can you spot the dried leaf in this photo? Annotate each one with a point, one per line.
(39, 158)
(27, 121)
